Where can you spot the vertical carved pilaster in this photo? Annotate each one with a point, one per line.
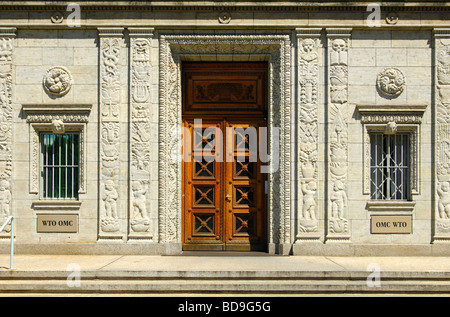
(7, 36)
(140, 133)
(338, 41)
(442, 134)
(111, 212)
(308, 42)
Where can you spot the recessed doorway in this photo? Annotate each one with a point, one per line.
(224, 130)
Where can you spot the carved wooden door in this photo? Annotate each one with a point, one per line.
(224, 201)
(224, 198)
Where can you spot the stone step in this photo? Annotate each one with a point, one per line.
(222, 282)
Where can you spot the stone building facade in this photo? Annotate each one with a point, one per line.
(91, 98)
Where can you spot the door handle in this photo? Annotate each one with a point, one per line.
(228, 198)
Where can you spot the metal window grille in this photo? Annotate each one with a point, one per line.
(60, 165)
(389, 166)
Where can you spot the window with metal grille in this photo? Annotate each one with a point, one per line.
(389, 166)
(60, 165)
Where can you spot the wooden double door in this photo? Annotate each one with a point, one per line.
(224, 190)
(224, 199)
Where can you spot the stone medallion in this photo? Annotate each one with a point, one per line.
(391, 82)
(57, 81)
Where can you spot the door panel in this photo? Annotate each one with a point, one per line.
(224, 200)
(244, 187)
(202, 173)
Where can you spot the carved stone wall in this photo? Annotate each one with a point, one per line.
(307, 112)
(274, 48)
(338, 117)
(442, 134)
(7, 36)
(111, 212)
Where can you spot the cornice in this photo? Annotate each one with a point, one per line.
(227, 5)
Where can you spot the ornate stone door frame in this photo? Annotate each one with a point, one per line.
(276, 49)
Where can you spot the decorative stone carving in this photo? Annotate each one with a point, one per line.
(308, 74)
(7, 36)
(391, 82)
(338, 45)
(277, 50)
(391, 17)
(140, 131)
(57, 81)
(110, 99)
(224, 17)
(110, 222)
(58, 126)
(391, 128)
(442, 142)
(57, 17)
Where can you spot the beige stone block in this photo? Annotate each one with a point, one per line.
(26, 75)
(391, 57)
(418, 95)
(37, 38)
(83, 56)
(21, 167)
(85, 94)
(411, 39)
(362, 76)
(28, 56)
(28, 94)
(361, 57)
(417, 76)
(419, 57)
(58, 56)
(84, 75)
(371, 38)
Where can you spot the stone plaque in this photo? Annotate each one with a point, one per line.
(391, 224)
(57, 223)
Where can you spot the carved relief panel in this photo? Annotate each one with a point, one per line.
(442, 141)
(140, 133)
(307, 134)
(110, 213)
(338, 45)
(7, 36)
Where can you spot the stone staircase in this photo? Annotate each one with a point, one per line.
(222, 283)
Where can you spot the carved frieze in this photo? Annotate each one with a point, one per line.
(308, 81)
(338, 45)
(110, 98)
(140, 132)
